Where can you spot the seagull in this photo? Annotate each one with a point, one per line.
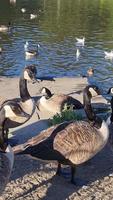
(13, 1)
(33, 16)
(23, 10)
(108, 54)
(80, 41)
(77, 53)
(0, 50)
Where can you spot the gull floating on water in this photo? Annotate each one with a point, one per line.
(33, 16)
(13, 1)
(0, 50)
(108, 54)
(80, 41)
(5, 28)
(23, 10)
(77, 53)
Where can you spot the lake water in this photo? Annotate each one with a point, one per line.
(56, 27)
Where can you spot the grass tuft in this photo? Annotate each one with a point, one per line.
(68, 114)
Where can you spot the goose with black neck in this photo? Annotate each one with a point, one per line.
(6, 153)
(70, 143)
(26, 102)
(55, 103)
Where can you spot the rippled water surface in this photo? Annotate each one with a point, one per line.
(56, 27)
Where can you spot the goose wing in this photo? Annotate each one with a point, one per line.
(78, 142)
(5, 171)
(61, 99)
(43, 136)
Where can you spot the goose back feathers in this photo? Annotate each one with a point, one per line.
(69, 143)
(55, 103)
(74, 142)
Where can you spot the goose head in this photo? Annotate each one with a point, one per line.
(45, 92)
(30, 73)
(110, 91)
(87, 95)
(91, 90)
(90, 72)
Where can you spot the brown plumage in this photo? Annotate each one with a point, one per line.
(69, 143)
(76, 141)
(55, 103)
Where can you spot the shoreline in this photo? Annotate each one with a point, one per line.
(34, 179)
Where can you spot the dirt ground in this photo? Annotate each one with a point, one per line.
(36, 180)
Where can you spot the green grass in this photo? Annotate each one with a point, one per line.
(65, 115)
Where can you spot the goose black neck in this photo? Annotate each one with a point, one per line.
(3, 136)
(48, 93)
(112, 109)
(96, 121)
(24, 94)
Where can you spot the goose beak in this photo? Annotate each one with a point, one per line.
(35, 80)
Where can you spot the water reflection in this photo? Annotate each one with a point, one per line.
(55, 28)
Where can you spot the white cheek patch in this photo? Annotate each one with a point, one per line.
(111, 90)
(26, 76)
(8, 112)
(93, 92)
(43, 91)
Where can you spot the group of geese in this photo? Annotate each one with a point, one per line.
(69, 143)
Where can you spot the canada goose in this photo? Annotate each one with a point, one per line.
(90, 71)
(26, 103)
(6, 153)
(30, 53)
(33, 16)
(55, 102)
(70, 143)
(80, 41)
(4, 28)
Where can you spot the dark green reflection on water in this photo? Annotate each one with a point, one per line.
(58, 23)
